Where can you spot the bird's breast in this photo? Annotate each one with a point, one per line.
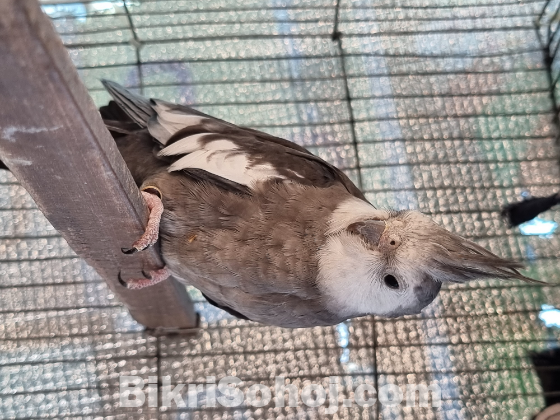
(264, 243)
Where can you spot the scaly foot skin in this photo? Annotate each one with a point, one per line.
(153, 277)
(150, 236)
(152, 197)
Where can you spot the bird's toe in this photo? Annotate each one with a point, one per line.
(151, 278)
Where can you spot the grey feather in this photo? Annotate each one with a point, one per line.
(453, 258)
(137, 107)
(461, 260)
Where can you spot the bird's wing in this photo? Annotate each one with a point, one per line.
(191, 140)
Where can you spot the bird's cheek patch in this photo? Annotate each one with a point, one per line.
(370, 231)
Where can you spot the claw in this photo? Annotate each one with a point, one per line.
(151, 277)
(121, 281)
(129, 251)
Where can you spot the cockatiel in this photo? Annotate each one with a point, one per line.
(269, 232)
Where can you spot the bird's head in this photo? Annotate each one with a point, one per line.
(394, 263)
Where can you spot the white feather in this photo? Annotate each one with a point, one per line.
(349, 277)
(170, 127)
(351, 211)
(169, 121)
(187, 145)
(219, 157)
(295, 173)
(170, 115)
(350, 274)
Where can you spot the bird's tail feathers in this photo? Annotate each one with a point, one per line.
(138, 108)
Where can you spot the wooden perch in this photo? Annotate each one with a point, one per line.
(54, 141)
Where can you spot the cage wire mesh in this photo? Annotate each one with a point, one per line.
(443, 106)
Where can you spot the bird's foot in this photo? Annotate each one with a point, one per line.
(152, 277)
(152, 197)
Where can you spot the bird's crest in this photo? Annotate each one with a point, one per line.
(452, 258)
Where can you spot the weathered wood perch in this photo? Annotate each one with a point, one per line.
(54, 141)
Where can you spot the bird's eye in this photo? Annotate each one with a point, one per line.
(391, 281)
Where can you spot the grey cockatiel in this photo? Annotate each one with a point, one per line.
(272, 233)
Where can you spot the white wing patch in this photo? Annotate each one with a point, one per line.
(220, 157)
(169, 121)
(187, 145)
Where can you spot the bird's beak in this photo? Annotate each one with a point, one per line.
(370, 230)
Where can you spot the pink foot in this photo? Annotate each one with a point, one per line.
(153, 277)
(150, 236)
